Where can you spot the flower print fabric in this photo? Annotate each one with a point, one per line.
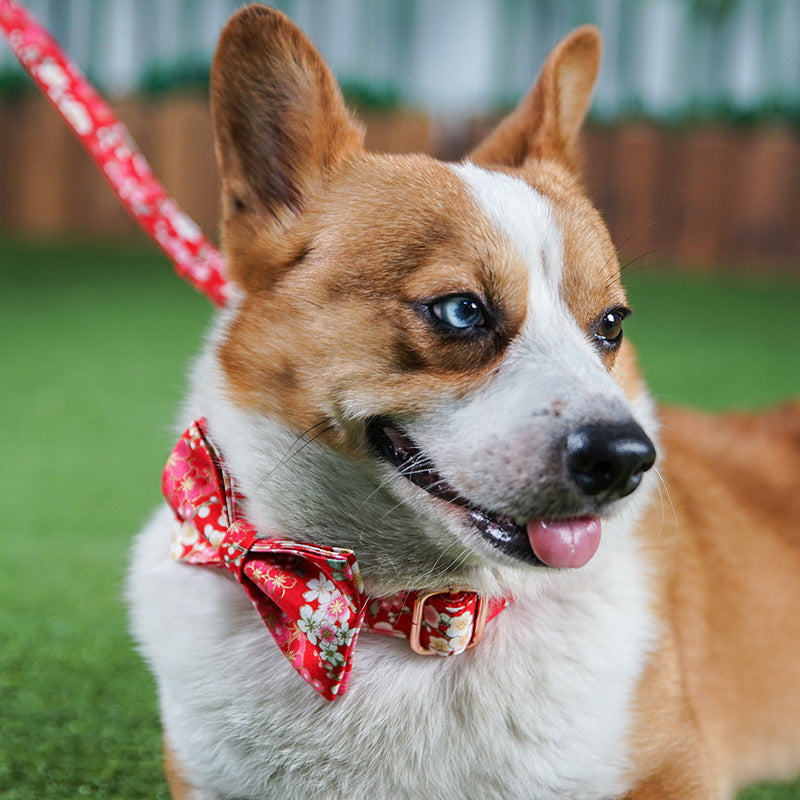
(448, 619)
(313, 611)
(310, 598)
(110, 145)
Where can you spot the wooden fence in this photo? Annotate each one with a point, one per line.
(705, 197)
(699, 197)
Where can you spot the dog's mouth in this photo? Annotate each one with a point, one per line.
(567, 542)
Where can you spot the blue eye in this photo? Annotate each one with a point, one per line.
(459, 311)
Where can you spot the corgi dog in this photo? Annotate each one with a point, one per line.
(421, 385)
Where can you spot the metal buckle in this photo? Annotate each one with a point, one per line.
(478, 622)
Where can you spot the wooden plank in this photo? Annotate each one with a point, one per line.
(770, 179)
(600, 171)
(639, 158)
(705, 167)
(39, 160)
(707, 196)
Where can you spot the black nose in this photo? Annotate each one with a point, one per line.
(607, 460)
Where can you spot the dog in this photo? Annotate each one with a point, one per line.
(422, 386)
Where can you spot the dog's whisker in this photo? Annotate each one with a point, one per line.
(304, 300)
(626, 267)
(664, 493)
(304, 440)
(454, 565)
(389, 511)
(381, 485)
(618, 248)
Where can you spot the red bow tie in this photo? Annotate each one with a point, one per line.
(310, 598)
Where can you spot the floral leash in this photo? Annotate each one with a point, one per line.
(110, 145)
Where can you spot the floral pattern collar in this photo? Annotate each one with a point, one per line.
(310, 598)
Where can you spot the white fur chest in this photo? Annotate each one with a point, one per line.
(540, 709)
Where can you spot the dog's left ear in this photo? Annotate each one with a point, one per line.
(548, 119)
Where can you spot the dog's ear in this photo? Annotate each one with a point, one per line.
(548, 119)
(281, 127)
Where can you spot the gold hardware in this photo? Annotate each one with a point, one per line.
(478, 622)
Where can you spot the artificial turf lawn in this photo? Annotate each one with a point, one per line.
(93, 351)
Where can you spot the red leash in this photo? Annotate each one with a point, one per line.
(110, 145)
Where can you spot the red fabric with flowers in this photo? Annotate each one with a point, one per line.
(310, 598)
(112, 148)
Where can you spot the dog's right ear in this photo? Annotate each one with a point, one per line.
(280, 126)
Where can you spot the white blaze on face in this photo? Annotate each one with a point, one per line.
(553, 347)
(526, 219)
(493, 445)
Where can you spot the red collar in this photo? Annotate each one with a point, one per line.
(311, 598)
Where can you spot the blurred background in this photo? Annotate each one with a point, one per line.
(692, 148)
(692, 154)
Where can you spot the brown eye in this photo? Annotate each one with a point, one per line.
(609, 328)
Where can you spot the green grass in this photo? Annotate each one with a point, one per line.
(716, 343)
(93, 350)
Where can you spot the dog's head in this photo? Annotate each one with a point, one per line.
(425, 361)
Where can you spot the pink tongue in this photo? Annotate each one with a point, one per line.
(564, 542)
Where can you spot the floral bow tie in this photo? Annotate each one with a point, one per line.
(310, 598)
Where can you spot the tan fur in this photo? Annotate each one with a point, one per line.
(546, 123)
(280, 126)
(174, 772)
(366, 250)
(725, 536)
(322, 236)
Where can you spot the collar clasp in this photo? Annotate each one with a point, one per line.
(418, 613)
